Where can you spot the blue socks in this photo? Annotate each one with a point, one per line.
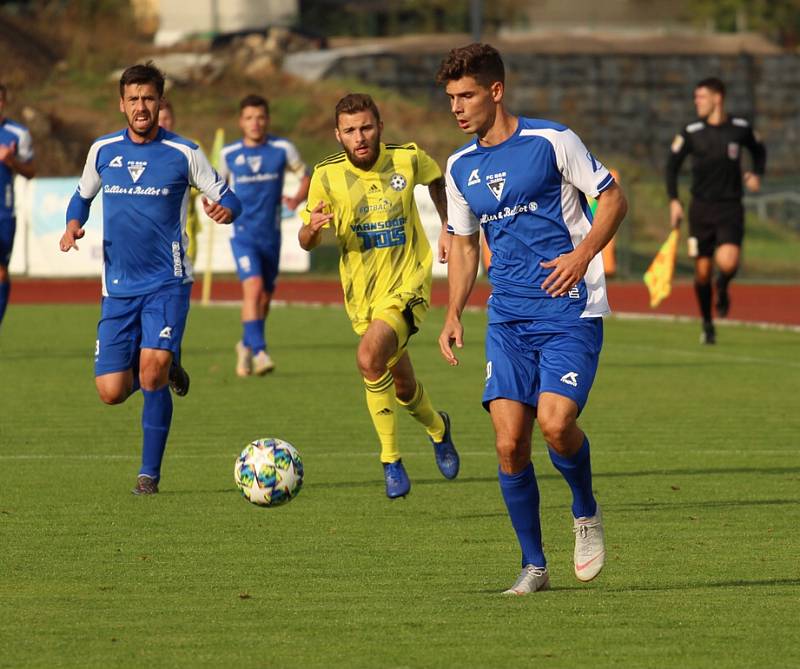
(5, 289)
(156, 419)
(254, 335)
(521, 495)
(577, 472)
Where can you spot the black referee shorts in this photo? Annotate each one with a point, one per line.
(715, 223)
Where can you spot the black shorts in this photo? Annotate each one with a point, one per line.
(713, 224)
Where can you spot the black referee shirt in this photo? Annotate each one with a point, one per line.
(716, 158)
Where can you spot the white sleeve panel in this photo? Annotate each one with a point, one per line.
(579, 166)
(24, 146)
(460, 218)
(90, 181)
(201, 175)
(293, 160)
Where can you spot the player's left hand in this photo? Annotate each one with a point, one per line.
(445, 240)
(216, 212)
(752, 182)
(568, 270)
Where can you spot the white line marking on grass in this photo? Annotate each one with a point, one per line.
(489, 452)
(761, 325)
(714, 355)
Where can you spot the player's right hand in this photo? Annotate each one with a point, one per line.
(7, 152)
(73, 232)
(675, 213)
(319, 218)
(452, 333)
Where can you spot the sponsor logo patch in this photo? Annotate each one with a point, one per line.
(571, 379)
(474, 178)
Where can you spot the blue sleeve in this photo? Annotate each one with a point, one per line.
(78, 208)
(230, 201)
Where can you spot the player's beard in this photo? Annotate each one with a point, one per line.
(369, 160)
(143, 133)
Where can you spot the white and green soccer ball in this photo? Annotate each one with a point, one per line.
(269, 472)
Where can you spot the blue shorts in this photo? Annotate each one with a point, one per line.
(127, 324)
(8, 228)
(526, 358)
(253, 260)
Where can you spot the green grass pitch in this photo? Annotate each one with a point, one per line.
(696, 461)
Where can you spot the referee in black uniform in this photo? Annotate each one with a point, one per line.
(716, 215)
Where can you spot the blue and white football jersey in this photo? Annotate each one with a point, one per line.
(146, 191)
(256, 175)
(529, 195)
(15, 133)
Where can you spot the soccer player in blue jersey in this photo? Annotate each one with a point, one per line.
(16, 157)
(145, 174)
(525, 181)
(255, 167)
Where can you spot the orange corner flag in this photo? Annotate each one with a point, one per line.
(658, 277)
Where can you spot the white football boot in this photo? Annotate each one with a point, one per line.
(590, 548)
(531, 579)
(262, 363)
(244, 360)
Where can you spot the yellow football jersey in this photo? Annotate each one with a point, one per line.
(384, 251)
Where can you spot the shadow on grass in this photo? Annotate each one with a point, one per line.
(598, 587)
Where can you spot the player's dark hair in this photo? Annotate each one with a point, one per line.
(480, 61)
(352, 103)
(713, 84)
(253, 100)
(166, 104)
(142, 74)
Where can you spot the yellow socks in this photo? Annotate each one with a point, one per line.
(422, 410)
(381, 405)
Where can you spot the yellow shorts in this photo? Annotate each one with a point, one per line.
(403, 313)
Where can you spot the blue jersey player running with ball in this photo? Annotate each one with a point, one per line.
(16, 157)
(145, 174)
(255, 167)
(525, 181)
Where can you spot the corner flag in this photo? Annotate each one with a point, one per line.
(658, 277)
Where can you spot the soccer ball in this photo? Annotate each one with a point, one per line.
(269, 472)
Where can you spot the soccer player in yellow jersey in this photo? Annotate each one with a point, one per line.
(366, 193)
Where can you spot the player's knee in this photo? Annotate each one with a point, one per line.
(153, 377)
(513, 454)
(112, 395)
(555, 429)
(369, 364)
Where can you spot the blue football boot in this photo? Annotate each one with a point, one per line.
(446, 455)
(397, 483)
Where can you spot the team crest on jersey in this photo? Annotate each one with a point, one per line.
(398, 182)
(254, 162)
(136, 169)
(116, 161)
(733, 150)
(496, 183)
(474, 178)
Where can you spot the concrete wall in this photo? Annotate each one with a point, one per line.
(620, 104)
